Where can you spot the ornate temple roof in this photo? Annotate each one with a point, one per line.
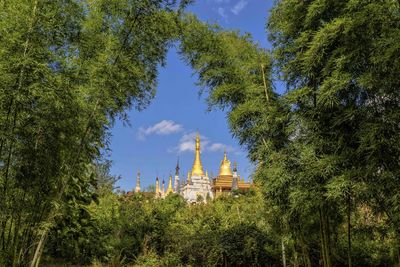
(225, 177)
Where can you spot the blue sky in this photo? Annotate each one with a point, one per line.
(165, 130)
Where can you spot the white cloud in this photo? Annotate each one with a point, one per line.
(187, 144)
(164, 127)
(218, 147)
(221, 1)
(221, 12)
(238, 7)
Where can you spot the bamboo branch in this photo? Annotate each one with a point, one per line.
(264, 81)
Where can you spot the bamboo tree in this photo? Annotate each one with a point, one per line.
(329, 43)
(80, 75)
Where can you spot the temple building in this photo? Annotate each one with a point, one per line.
(226, 181)
(198, 186)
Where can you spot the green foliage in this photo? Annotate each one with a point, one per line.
(237, 74)
(145, 231)
(67, 70)
(229, 230)
(326, 150)
(326, 147)
(324, 50)
(83, 233)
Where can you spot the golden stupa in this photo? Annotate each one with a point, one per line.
(197, 169)
(226, 180)
(225, 168)
(170, 189)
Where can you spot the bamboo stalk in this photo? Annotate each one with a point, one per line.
(265, 82)
(349, 263)
(283, 253)
(323, 251)
(15, 104)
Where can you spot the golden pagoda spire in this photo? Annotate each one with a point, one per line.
(197, 167)
(225, 168)
(169, 189)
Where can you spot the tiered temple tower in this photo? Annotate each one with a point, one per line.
(176, 181)
(137, 188)
(158, 190)
(198, 187)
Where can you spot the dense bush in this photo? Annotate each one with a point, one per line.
(141, 229)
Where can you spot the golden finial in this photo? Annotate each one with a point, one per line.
(206, 173)
(197, 166)
(225, 168)
(169, 189)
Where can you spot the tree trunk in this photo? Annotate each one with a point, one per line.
(323, 255)
(325, 238)
(283, 254)
(397, 249)
(349, 230)
(9, 109)
(39, 249)
(295, 256)
(304, 251)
